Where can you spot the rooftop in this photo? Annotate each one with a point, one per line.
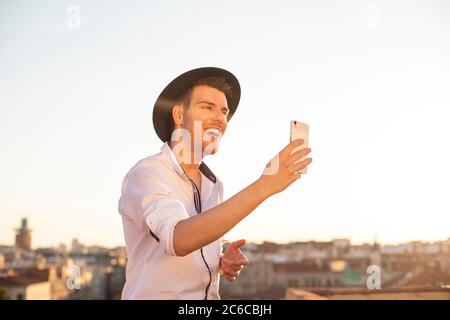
(358, 293)
(32, 276)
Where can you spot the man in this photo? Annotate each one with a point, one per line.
(172, 207)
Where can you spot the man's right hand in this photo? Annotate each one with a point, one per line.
(282, 172)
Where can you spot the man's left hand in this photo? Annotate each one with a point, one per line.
(233, 260)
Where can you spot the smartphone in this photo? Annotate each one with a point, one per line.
(300, 130)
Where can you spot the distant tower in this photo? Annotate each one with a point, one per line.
(375, 252)
(23, 236)
(376, 245)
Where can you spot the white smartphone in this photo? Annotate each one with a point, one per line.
(300, 130)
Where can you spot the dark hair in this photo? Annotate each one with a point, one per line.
(218, 83)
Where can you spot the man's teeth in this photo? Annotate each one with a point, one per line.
(213, 132)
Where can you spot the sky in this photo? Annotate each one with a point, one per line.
(78, 81)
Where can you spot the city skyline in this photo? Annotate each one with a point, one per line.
(276, 271)
(370, 78)
(79, 241)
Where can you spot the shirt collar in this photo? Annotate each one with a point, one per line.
(168, 154)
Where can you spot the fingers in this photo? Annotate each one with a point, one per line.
(297, 155)
(244, 261)
(230, 274)
(296, 175)
(230, 278)
(232, 270)
(291, 146)
(237, 244)
(234, 266)
(299, 166)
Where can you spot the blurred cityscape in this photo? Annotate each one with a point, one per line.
(334, 269)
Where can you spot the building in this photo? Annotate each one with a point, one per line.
(35, 284)
(402, 293)
(77, 248)
(32, 285)
(23, 236)
(269, 279)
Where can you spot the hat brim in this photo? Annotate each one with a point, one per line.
(162, 111)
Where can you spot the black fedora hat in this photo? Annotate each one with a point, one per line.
(162, 111)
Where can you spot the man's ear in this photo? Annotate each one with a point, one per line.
(177, 114)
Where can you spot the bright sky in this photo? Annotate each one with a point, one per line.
(372, 79)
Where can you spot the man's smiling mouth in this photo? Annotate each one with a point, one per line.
(215, 132)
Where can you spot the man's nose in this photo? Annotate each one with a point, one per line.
(220, 116)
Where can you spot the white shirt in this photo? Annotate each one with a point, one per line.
(156, 195)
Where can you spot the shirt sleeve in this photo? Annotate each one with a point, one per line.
(151, 205)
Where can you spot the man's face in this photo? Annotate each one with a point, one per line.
(207, 113)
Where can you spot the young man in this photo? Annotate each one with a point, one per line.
(172, 207)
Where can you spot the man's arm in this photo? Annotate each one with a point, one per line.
(200, 230)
